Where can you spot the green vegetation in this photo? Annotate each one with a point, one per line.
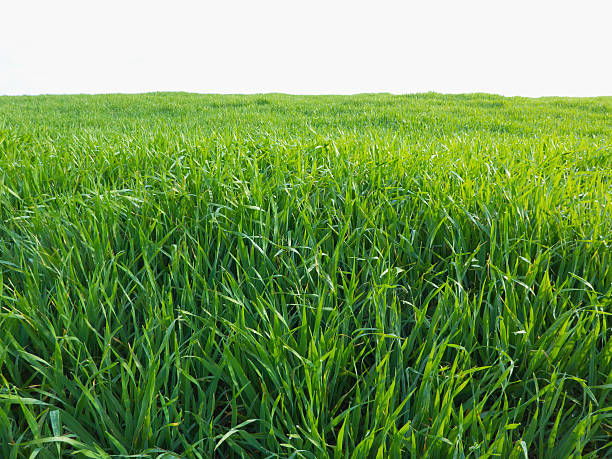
(376, 276)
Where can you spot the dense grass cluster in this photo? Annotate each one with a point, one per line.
(375, 276)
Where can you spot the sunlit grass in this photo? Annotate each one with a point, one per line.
(375, 276)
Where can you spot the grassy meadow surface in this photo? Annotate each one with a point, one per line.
(260, 276)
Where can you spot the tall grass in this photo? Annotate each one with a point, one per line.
(262, 276)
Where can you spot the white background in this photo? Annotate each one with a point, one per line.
(529, 48)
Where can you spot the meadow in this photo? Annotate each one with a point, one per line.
(305, 276)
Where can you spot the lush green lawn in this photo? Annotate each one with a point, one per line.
(305, 276)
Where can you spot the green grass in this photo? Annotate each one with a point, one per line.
(365, 276)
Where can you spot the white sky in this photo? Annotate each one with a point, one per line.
(511, 47)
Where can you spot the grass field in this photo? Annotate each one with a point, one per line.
(260, 276)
